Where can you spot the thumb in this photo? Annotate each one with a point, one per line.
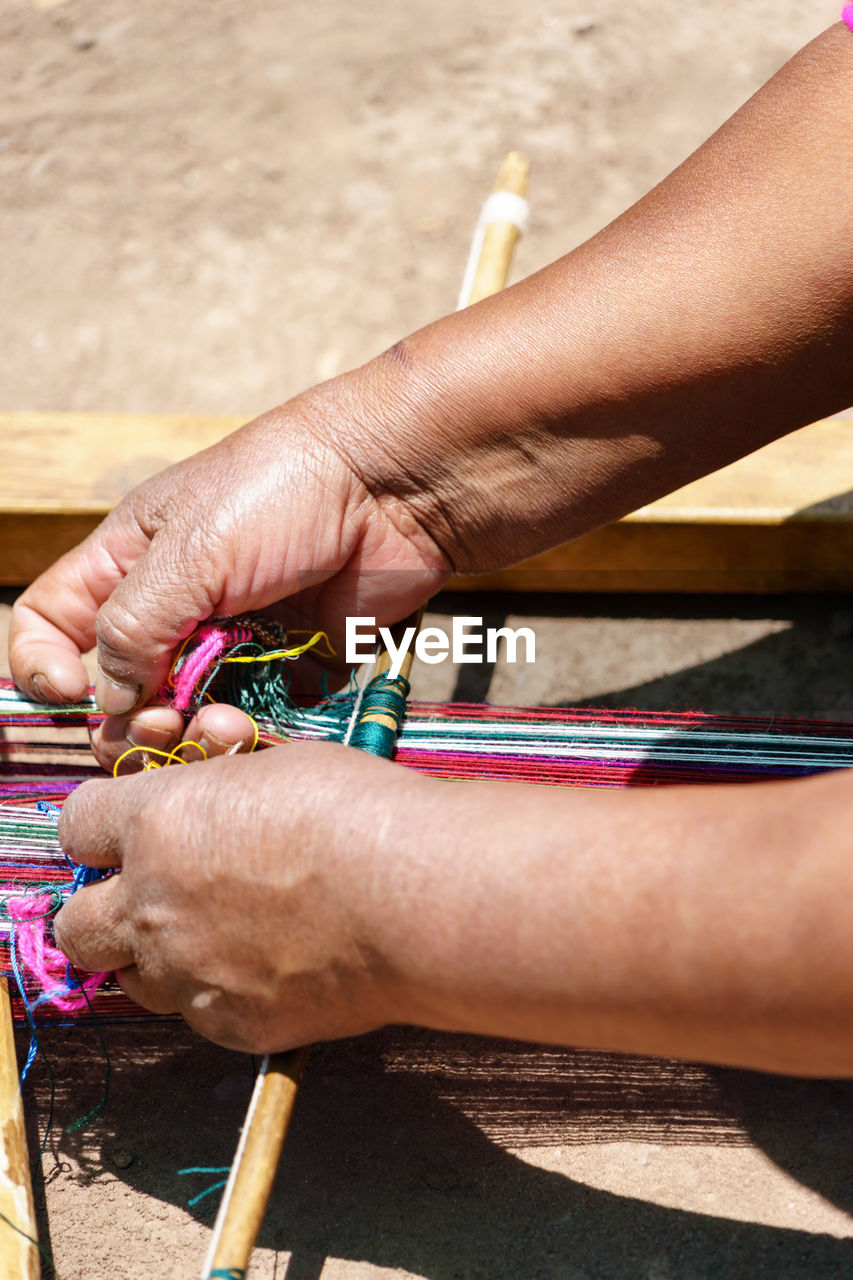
(158, 603)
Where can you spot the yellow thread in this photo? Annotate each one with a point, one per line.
(274, 655)
(175, 757)
(170, 757)
(271, 656)
(170, 681)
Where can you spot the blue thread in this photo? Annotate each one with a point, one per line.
(22, 991)
(34, 1047)
(83, 1121)
(217, 1186)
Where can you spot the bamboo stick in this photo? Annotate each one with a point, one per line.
(253, 1171)
(19, 1256)
(258, 1152)
(250, 1182)
(500, 238)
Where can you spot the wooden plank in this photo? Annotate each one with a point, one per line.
(19, 1258)
(61, 463)
(779, 520)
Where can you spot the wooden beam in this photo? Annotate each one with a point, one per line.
(19, 1257)
(779, 520)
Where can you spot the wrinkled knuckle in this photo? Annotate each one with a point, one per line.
(74, 813)
(117, 635)
(202, 541)
(63, 936)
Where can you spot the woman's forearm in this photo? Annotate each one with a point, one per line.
(713, 316)
(709, 923)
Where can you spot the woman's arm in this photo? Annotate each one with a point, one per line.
(714, 315)
(320, 892)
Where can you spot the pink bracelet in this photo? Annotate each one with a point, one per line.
(847, 16)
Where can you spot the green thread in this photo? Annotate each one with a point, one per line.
(217, 1186)
(46, 1256)
(384, 696)
(226, 1273)
(98, 1108)
(30, 890)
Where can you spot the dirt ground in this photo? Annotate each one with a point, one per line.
(206, 208)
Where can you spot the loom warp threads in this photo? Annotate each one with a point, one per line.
(37, 878)
(249, 663)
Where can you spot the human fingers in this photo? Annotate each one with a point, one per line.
(96, 818)
(92, 929)
(145, 991)
(151, 730)
(221, 730)
(136, 741)
(53, 621)
(150, 611)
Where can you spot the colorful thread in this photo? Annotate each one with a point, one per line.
(847, 16)
(217, 1186)
(48, 965)
(248, 663)
(198, 661)
(169, 757)
(384, 700)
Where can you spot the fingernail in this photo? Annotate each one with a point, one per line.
(60, 685)
(115, 699)
(140, 734)
(213, 744)
(46, 691)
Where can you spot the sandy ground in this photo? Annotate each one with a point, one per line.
(207, 207)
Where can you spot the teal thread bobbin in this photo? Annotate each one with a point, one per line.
(383, 707)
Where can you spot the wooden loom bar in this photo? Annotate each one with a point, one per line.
(778, 520)
(19, 1257)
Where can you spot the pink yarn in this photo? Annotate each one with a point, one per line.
(44, 961)
(847, 16)
(212, 640)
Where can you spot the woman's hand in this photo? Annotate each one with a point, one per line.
(248, 890)
(283, 509)
(311, 892)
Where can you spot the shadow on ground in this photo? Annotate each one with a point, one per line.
(400, 1153)
(803, 670)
